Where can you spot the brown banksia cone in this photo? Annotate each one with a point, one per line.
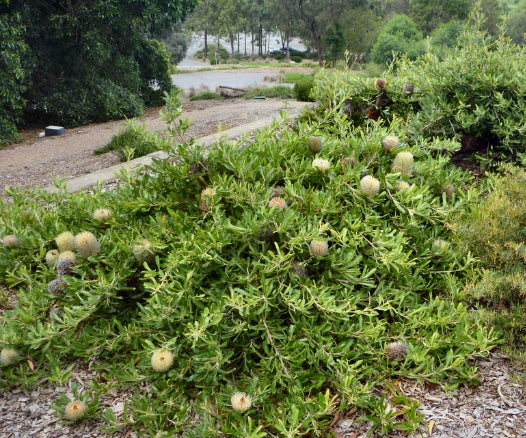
(396, 350)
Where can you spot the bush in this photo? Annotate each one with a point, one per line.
(279, 91)
(303, 88)
(176, 42)
(297, 59)
(399, 37)
(206, 95)
(278, 55)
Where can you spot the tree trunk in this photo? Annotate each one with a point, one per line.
(206, 44)
(232, 41)
(313, 27)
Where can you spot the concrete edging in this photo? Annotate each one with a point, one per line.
(87, 181)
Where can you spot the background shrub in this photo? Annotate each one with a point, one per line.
(303, 88)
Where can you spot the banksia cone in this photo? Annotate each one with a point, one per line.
(86, 244)
(408, 88)
(9, 356)
(52, 257)
(278, 203)
(206, 198)
(316, 143)
(449, 189)
(67, 255)
(65, 267)
(75, 410)
(10, 241)
(319, 248)
(402, 186)
(55, 314)
(396, 350)
(162, 361)
(65, 241)
(241, 402)
(277, 192)
(403, 163)
(369, 185)
(391, 142)
(321, 164)
(57, 286)
(143, 251)
(380, 84)
(102, 214)
(372, 113)
(300, 270)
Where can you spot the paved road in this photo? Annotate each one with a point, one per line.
(215, 78)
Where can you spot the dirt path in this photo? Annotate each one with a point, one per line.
(37, 161)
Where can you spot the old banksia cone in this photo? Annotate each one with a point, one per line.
(380, 84)
(102, 214)
(52, 257)
(65, 266)
(162, 361)
(9, 356)
(86, 244)
(315, 143)
(206, 199)
(241, 402)
(321, 164)
(369, 185)
(65, 241)
(67, 255)
(391, 142)
(396, 350)
(278, 202)
(143, 251)
(10, 241)
(319, 248)
(448, 189)
(403, 163)
(402, 186)
(75, 410)
(57, 286)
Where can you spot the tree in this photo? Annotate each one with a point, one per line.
(176, 41)
(92, 60)
(515, 24)
(399, 37)
(429, 15)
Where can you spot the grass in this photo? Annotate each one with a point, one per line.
(206, 95)
(278, 91)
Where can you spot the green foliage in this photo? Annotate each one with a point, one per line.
(515, 23)
(399, 37)
(279, 91)
(206, 95)
(303, 87)
(430, 15)
(134, 141)
(233, 291)
(494, 230)
(176, 42)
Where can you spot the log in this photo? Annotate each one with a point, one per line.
(230, 91)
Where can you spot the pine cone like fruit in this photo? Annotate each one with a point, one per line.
(9, 356)
(67, 255)
(55, 314)
(402, 186)
(396, 350)
(10, 241)
(369, 185)
(321, 164)
(278, 202)
(316, 143)
(57, 286)
(52, 257)
(65, 266)
(143, 251)
(409, 88)
(403, 163)
(241, 402)
(86, 244)
(319, 248)
(102, 214)
(449, 189)
(380, 84)
(391, 142)
(75, 410)
(300, 270)
(65, 241)
(162, 361)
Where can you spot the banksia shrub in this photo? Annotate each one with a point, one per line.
(65, 241)
(241, 402)
(278, 202)
(87, 244)
(102, 214)
(391, 142)
(396, 350)
(10, 241)
(321, 164)
(369, 185)
(9, 356)
(403, 163)
(52, 257)
(162, 361)
(319, 248)
(316, 143)
(143, 251)
(75, 410)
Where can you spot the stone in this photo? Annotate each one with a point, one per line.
(54, 130)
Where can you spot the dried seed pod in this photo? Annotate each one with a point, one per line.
(369, 185)
(241, 402)
(87, 244)
(162, 361)
(396, 350)
(57, 286)
(319, 248)
(380, 84)
(403, 163)
(372, 113)
(65, 266)
(75, 410)
(65, 241)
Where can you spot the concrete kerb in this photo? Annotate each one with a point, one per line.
(87, 181)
